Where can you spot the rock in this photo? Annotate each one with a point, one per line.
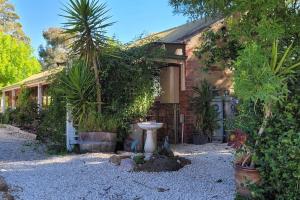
(116, 159)
(127, 164)
(183, 161)
(162, 189)
(3, 185)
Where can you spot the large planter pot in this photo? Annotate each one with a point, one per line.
(244, 177)
(97, 141)
(199, 138)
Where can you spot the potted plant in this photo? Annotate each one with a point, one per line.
(260, 80)
(245, 174)
(98, 133)
(205, 114)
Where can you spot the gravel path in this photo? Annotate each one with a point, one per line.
(33, 175)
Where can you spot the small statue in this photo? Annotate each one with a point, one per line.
(166, 148)
(134, 146)
(166, 144)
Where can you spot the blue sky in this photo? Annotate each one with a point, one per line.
(132, 17)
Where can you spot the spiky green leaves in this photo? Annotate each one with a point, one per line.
(87, 21)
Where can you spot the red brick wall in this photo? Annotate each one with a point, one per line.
(193, 74)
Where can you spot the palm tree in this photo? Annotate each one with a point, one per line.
(87, 22)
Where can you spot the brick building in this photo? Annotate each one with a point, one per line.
(182, 71)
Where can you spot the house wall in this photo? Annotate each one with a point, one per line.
(193, 75)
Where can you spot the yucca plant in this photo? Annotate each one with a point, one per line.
(284, 73)
(206, 117)
(77, 85)
(261, 78)
(87, 22)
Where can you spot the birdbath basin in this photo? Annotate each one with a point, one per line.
(150, 144)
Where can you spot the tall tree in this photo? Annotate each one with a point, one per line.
(17, 60)
(87, 21)
(9, 21)
(259, 20)
(55, 52)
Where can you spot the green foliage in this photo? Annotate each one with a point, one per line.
(52, 125)
(248, 118)
(17, 60)
(139, 159)
(254, 80)
(199, 8)
(279, 156)
(8, 117)
(206, 114)
(98, 123)
(77, 85)
(26, 114)
(130, 81)
(257, 20)
(87, 22)
(268, 86)
(218, 49)
(86, 19)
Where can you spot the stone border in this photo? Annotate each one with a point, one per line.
(15, 131)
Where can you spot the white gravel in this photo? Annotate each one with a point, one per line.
(34, 176)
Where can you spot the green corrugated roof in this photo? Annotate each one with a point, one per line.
(36, 78)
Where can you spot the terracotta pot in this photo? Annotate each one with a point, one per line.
(97, 141)
(244, 177)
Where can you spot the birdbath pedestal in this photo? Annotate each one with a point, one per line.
(150, 144)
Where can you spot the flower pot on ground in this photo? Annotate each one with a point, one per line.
(199, 138)
(246, 173)
(98, 133)
(97, 141)
(245, 177)
(261, 80)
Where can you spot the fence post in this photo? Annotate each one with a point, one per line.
(3, 102)
(70, 131)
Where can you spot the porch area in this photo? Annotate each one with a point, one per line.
(38, 85)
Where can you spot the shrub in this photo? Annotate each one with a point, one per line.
(279, 165)
(279, 154)
(97, 122)
(206, 114)
(26, 114)
(52, 125)
(130, 81)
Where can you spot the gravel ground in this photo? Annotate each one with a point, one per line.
(32, 175)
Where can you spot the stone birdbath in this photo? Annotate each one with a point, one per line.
(150, 144)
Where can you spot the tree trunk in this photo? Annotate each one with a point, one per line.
(267, 115)
(98, 85)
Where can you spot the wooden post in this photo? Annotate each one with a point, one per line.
(3, 102)
(182, 76)
(70, 131)
(13, 99)
(40, 97)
